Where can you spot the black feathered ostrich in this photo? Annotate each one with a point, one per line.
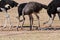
(20, 8)
(5, 5)
(28, 9)
(53, 9)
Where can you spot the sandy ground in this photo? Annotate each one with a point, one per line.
(30, 35)
(25, 34)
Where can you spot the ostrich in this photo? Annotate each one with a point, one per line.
(20, 8)
(28, 9)
(5, 5)
(53, 9)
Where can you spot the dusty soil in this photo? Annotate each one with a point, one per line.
(30, 35)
